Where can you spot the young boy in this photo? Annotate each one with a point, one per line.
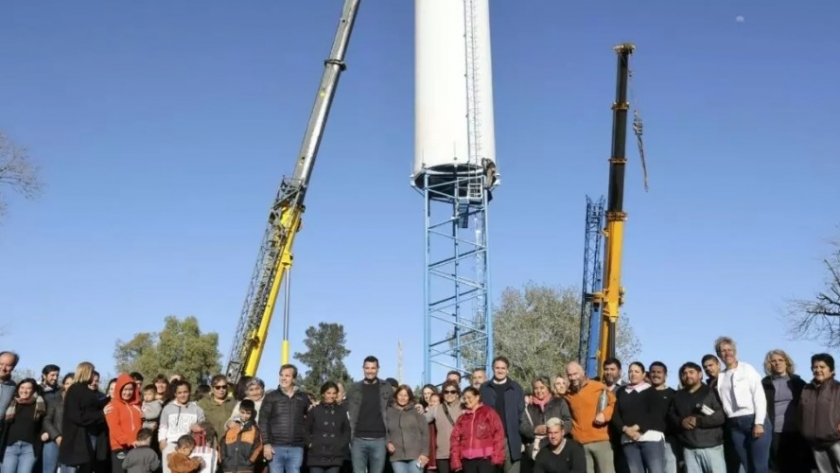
(179, 461)
(141, 458)
(242, 445)
(151, 407)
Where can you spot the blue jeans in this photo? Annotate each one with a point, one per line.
(49, 457)
(672, 451)
(704, 460)
(286, 459)
(406, 466)
(645, 456)
(753, 453)
(368, 455)
(19, 458)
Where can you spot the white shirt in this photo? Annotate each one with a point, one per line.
(741, 393)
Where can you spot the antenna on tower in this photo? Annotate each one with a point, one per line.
(399, 362)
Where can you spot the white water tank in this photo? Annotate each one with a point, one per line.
(452, 52)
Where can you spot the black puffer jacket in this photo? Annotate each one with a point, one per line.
(327, 435)
(282, 418)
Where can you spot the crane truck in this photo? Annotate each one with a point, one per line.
(611, 297)
(274, 260)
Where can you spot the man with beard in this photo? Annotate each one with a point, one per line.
(49, 382)
(589, 423)
(612, 374)
(612, 379)
(698, 417)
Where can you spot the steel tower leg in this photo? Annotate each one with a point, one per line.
(586, 292)
(590, 315)
(457, 326)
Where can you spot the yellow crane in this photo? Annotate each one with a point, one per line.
(274, 261)
(612, 296)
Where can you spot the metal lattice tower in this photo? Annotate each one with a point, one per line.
(458, 326)
(590, 310)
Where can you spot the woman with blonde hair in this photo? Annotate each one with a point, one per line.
(84, 411)
(783, 388)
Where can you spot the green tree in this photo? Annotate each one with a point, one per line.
(17, 172)
(818, 318)
(179, 348)
(326, 350)
(538, 329)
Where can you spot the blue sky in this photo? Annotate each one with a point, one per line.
(163, 129)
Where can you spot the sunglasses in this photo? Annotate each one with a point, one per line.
(450, 391)
(221, 386)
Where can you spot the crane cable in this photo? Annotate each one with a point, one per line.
(638, 129)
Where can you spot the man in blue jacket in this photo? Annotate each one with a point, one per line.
(507, 397)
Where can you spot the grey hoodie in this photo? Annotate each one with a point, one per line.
(176, 420)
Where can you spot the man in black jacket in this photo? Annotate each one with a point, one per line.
(282, 424)
(366, 404)
(697, 417)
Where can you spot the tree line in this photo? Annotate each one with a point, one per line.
(536, 326)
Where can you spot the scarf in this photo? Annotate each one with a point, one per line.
(40, 407)
(636, 387)
(540, 404)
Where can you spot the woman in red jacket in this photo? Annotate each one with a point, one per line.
(477, 444)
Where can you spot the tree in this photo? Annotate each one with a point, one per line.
(179, 348)
(538, 329)
(818, 318)
(19, 375)
(17, 171)
(326, 350)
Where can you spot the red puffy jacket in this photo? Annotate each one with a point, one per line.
(477, 434)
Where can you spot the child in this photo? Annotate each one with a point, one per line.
(151, 407)
(179, 461)
(141, 458)
(242, 445)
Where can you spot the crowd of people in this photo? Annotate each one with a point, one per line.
(735, 420)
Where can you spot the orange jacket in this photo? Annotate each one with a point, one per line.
(584, 405)
(125, 418)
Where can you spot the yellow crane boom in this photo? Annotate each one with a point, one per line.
(275, 256)
(612, 296)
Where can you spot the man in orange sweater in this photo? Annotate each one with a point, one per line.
(589, 427)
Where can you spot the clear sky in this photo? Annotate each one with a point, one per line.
(164, 128)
